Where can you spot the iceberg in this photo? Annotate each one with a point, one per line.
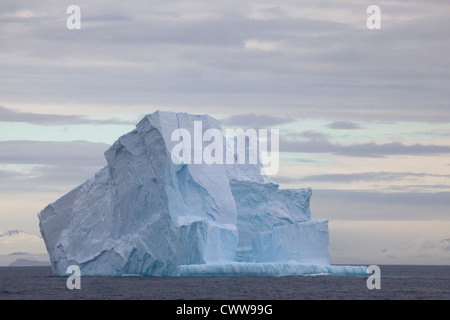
(152, 211)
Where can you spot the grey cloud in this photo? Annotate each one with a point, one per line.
(255, 121)
(74, 153)
(418, 187)
(47, 178)
(410, 198)
(304, 160)
(5, 174)
(387, 149)
(9, 115)
(365, 205)
(346, 125)
(105, 17)
(317, 142)
(360, 177)
(51, 166)
(154, 54)
(311, 135)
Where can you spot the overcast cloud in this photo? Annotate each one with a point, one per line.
(345, 125)
(296, 58)
(364, 205)
(255, 121)
(9, 115)
(72, 153)
(317, 142)
(361, 176)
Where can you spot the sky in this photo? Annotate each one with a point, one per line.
(363, 114)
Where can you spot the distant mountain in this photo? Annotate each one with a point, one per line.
(18, 247)
(10, 233)
(28, 262)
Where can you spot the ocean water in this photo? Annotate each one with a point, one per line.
(397, 282)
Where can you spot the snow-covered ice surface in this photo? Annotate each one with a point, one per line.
(145, 214)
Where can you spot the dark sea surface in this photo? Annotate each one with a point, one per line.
(397, 282)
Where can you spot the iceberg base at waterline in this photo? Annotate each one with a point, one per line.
(273, 269)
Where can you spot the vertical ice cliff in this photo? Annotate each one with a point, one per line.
(146, 214)
(262, 207)
(143, 214)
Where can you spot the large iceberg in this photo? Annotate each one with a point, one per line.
(155, 212)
